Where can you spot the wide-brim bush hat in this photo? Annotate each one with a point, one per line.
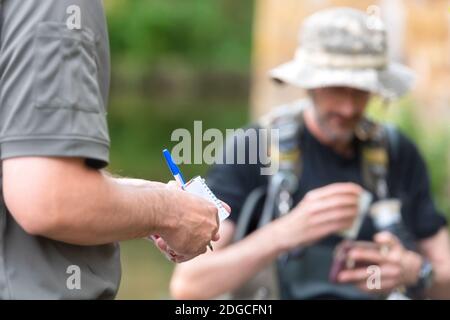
(345, 47)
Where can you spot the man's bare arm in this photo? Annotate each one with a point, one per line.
(437, 250)
(63, 199)
(228, 267)
(322, 212)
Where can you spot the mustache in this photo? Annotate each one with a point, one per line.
(348, 119)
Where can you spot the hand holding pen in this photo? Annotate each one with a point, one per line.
(191, 223)
(177, 175)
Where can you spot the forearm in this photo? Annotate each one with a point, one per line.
(105, 210)
(226, 269)
(79, 205)
(437, 250)
(441, 286)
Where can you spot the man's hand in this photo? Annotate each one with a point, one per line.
(191, 237)
(166, 251)
(398, 266)
(322, 212)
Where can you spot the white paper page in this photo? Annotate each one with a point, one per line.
(198, 187)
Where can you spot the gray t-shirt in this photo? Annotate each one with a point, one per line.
(54, 69)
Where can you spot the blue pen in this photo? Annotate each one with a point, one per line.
(177, 175)
(173, 168)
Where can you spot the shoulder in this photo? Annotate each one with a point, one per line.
(401, 147)
(406, 163)
(283, 113)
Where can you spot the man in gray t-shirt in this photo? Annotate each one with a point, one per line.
(60, 216)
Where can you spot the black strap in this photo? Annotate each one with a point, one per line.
(393, 138)
(247, 211)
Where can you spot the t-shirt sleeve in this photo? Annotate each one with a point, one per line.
(418, 208)
(52, 100)
(235, 177)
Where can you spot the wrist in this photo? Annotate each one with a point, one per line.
(167, 222)
(163, 202)
(277, 243)
(412, 263)
(424, 280)
(282, 241)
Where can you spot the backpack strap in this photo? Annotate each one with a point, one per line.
(393, 138)
(380, 147)
(288, 120)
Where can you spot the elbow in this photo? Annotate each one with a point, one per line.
(36, 224)
(179, 289)
(38, 216)
(182, 289)
(42, 193)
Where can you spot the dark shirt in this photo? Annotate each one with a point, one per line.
(407, 180)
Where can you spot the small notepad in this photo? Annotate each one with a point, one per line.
(198, 187)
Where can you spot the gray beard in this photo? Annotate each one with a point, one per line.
(333, 136)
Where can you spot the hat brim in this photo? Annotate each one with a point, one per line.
(391, 82)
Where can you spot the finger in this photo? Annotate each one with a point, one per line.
(385, 286)
(161, 244)
(335, 202)
(353, 275)
(176, 256)
(165, 253)
(216, 237)
(335, 188)
(388, 274)
(386, 238)
(346, 216)
(333, 226)
(390, 246)
(181, 260)
(198, 252)
(204, 250)
(169, 253)
(391, 272)
(324, 230)
(226, 206)
(370, 256)
(153, 237)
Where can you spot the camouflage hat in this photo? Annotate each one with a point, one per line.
(345, 47)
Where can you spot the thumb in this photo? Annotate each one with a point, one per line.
(216, 237)
(386, 238)
(161, 244)
(226, 206)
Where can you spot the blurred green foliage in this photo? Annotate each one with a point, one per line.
(196, 33)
